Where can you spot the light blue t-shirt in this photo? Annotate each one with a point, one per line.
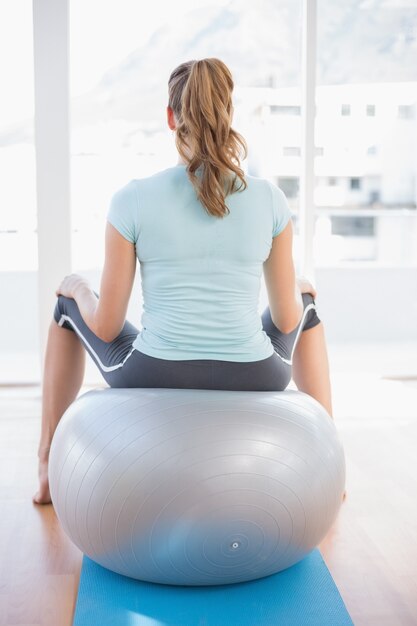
(201, 275)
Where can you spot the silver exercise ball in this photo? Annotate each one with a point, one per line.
(196, 487)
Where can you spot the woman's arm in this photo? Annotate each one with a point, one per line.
(105, 316)
(284, 295)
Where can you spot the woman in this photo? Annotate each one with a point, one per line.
(203, 232)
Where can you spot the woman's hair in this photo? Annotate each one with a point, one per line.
(200, 95)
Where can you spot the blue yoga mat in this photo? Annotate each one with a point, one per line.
(303, 594)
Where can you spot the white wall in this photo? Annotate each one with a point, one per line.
(368, 304)
(19, 312)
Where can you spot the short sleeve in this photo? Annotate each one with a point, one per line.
(123, 212)
(281, 210)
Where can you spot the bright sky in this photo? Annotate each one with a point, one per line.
(101, 35)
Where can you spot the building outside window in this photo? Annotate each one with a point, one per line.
(374, 196)
(289, 185)
(277, 109)
(406, 111)
(291, 151)
(353, 226)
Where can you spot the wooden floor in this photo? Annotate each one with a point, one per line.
(371, 550)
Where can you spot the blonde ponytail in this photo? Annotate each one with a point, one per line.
(200, 94)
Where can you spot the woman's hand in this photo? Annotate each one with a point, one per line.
(305, 286)
(71, 285)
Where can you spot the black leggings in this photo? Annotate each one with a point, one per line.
(124, 366)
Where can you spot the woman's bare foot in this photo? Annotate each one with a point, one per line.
(42, 496)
